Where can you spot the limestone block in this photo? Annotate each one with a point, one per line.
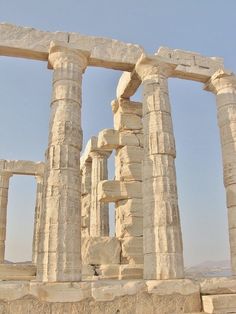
(129, 226)
(127, 121)
(163, 239)
(109, 139)
(13, 290)
(27, 42)
(160, 143)
(158, 121)
(128, 83)
(131, 272)
(132, 249)
(61, 292)
(127, 106)
(128, 154)
(171, 287)
(87, 271)
(24, 167)
(131, 207)
(90, 146)
(105, 52)
(221, 303)
(102, 291)
(17, 271)
(100, 250)
(159, 166)
(113, 191)
(129, 172)
(190, 65)
(163, 265)
(220, 285)
(110, 271)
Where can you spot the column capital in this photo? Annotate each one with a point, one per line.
(221, 79)
(100, 153)
(39, 179)
(149, 67)
(6, 174)
(61, 53)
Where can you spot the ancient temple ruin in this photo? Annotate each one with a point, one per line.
(76, 266)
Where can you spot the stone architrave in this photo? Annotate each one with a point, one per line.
(59, 256)
(4, 186)
(99, 213)
(163, 250)
(38, 208)
(223, 84)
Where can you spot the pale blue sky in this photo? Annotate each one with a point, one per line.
(205, 26)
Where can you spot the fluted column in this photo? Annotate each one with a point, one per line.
(99, 213)
(38, 208)
(223, 84)
(86, 174)
(59, 257)
(4, 186)
(163, 251)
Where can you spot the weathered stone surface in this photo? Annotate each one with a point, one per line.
(105, 52)
(61, 292)
(171, 287)
(112, 191)
(127, 121)
(222, 303)
(30, 43)
(17, 271)
(111, 271)
(13, 290)
(132, 249)
(128, 84)
(109, 139)
(24, 167)
(190, 65)
(104, 291)
(127, 106)
(128, 154)
(100, 250)
(131, 225)
(131, 271)
(221, 285)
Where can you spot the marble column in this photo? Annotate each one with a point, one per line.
(38, 208)
(223, 84)
(163, 249)
(99, 213)
(86, 174)
(4, 186)
(59, 256)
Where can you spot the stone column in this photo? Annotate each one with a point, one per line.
(86, 173)
(99, 213)
(59, 257)
(163, 251)
(223, 84)
(4, 186)
(38, 208)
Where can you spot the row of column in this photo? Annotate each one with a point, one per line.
(94, 214)
(59, 249)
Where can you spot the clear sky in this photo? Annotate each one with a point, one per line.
(205, 26)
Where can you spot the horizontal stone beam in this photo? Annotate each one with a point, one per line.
(109, 139)
(30, 43)
(186, 65)
(22, 167)
(113, 191)
(17, 271)
(91, 147)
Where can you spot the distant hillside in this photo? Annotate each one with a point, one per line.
(209, 269)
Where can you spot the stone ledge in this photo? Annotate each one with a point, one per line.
(221, 303)
(220, 285)
(100, 290)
